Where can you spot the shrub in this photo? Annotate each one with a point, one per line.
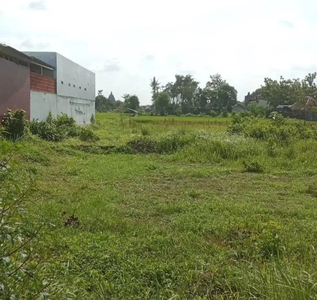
(48, 131)
(257, 110)
(270, 241)
(60, 128)
(87, 135)
(1, 131)
(245, 114)
(14, 124)
(213, 113)
(276, 130)
(178, 112)
(64, 120)
(92, 119)
(145, 131)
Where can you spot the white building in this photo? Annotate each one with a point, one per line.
(75, 90)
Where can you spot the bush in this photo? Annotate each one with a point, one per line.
(178, 112)
(277, 130)
(13, 124)
(213, 113)
(48, 131)
(87, 135)
(58, 129)
(245, 114)
(64, 120)
(257, 110)
(145, 131)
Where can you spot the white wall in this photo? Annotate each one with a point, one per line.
(73, 80)
(80, 109)
(42, 103)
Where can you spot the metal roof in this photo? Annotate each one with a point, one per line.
(9, 51)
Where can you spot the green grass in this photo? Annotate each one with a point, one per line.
(195, 223)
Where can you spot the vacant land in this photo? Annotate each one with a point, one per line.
(191, 212)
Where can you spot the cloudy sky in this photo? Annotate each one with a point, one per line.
(127, 42)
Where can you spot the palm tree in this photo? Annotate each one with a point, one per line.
(155, 85)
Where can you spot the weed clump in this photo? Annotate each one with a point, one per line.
(252, 167)
(60, 128)
(145, 131)
(87, 135)
(278, 129)
(13, 124)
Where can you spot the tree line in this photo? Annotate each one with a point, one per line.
(287, 91)
(103, 104)
(184, 95)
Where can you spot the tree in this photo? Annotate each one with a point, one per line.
(162, 102)
(102, 104)
(288, 91)
(186, 95)
(131, 102)
(257, 110)
(182, 92)
(222, 95)
(155, 85)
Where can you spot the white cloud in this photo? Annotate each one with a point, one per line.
(30, 43)
(129, 42)
(37, 5)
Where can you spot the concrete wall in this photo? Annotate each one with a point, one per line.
(263, 103)
(42, 103)
(80, 109)
(14, 87)
(72, 80)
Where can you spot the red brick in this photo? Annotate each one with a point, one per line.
(42, 83)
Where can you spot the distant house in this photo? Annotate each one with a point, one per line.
(255, 97)
(239, 107)
(300, 110)
(111, 97)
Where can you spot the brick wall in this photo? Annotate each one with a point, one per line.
(42, 83)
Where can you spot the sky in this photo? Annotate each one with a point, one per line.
(127, 42)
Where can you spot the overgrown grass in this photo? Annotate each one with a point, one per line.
(167, 211)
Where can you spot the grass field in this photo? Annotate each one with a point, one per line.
(217, 217)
